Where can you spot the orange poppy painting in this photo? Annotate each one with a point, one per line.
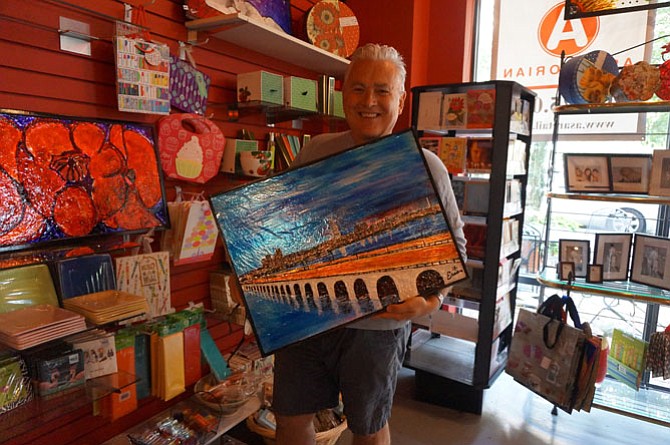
(64, 177)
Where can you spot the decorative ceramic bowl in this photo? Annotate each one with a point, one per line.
(228, 395)
(256, 163)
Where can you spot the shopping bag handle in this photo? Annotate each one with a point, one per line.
(553, 308)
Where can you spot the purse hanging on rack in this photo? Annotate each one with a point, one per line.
(545, 352)
(188, 86)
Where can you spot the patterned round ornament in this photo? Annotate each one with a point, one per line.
(333, 27)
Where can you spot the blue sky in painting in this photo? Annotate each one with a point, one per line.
(290, 211)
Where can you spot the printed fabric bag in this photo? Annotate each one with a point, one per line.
(545, 352)
(188, 86)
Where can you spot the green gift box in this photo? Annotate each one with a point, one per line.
(260, 86)
(300, 93)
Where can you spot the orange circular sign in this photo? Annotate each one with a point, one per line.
(572, 36)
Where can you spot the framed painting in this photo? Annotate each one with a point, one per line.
(575, 251)
(613, 252)
(64, 177)
(650, 261)
(336, 240)
(566, 271)
(587, 173)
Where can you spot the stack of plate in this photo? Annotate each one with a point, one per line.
(107, 306)
(26, 286)
(34, 325)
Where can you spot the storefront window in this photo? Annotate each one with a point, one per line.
(521, 40)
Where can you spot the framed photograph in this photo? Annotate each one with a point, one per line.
(650, 261)
(587, 173)
(575, 251)
(630, 173)
(566, 271)
(310, 258)
(659, 185)
(613, 252)
(595, 273)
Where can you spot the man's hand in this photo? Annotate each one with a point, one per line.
(410, 308)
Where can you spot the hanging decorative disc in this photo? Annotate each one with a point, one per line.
(333, 27)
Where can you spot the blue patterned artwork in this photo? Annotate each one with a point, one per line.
(330, 242)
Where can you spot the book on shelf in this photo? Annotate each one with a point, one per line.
(452, 152)
(626, 361)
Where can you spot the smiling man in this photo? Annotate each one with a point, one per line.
(359, 361)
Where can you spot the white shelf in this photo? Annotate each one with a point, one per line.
(241, 31)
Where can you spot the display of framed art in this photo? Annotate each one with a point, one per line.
(650, 261)
(612, 251)
(660, 173)
(72, 177)
(630, 173)
(305, 269)
(587, 173)
(575, 251)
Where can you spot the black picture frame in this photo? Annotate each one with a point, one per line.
(576, 251)
(612, 251)
(651, 261)
(587, 173)
(630, 173)
(594, 273)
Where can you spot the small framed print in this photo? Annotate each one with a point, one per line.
(587, 173)
(594, 273)
(650, 261)
(566, 271)
(659, 184)
(630, 173)
(613, 252)
(575, 251)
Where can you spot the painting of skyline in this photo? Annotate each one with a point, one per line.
(336, 240)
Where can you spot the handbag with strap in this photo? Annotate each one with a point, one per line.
(545, 351)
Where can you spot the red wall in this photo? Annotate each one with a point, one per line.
(35, 75)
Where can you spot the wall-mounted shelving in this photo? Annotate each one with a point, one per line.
(246, 33)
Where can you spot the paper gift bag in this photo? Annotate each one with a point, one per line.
(147, 275)
(544, 356)
(143, 75)
(194, 232)
(188, 86)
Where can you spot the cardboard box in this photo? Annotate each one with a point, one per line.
(300, 93)
(261, 86)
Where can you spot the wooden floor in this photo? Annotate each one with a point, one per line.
(511, 415)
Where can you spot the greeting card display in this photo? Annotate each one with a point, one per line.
(311, 258)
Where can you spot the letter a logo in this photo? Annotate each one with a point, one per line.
(573, 36)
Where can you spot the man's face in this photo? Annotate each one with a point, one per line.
(372, 99)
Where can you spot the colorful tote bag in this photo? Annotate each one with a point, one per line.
(188, 87)
(544, 357)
